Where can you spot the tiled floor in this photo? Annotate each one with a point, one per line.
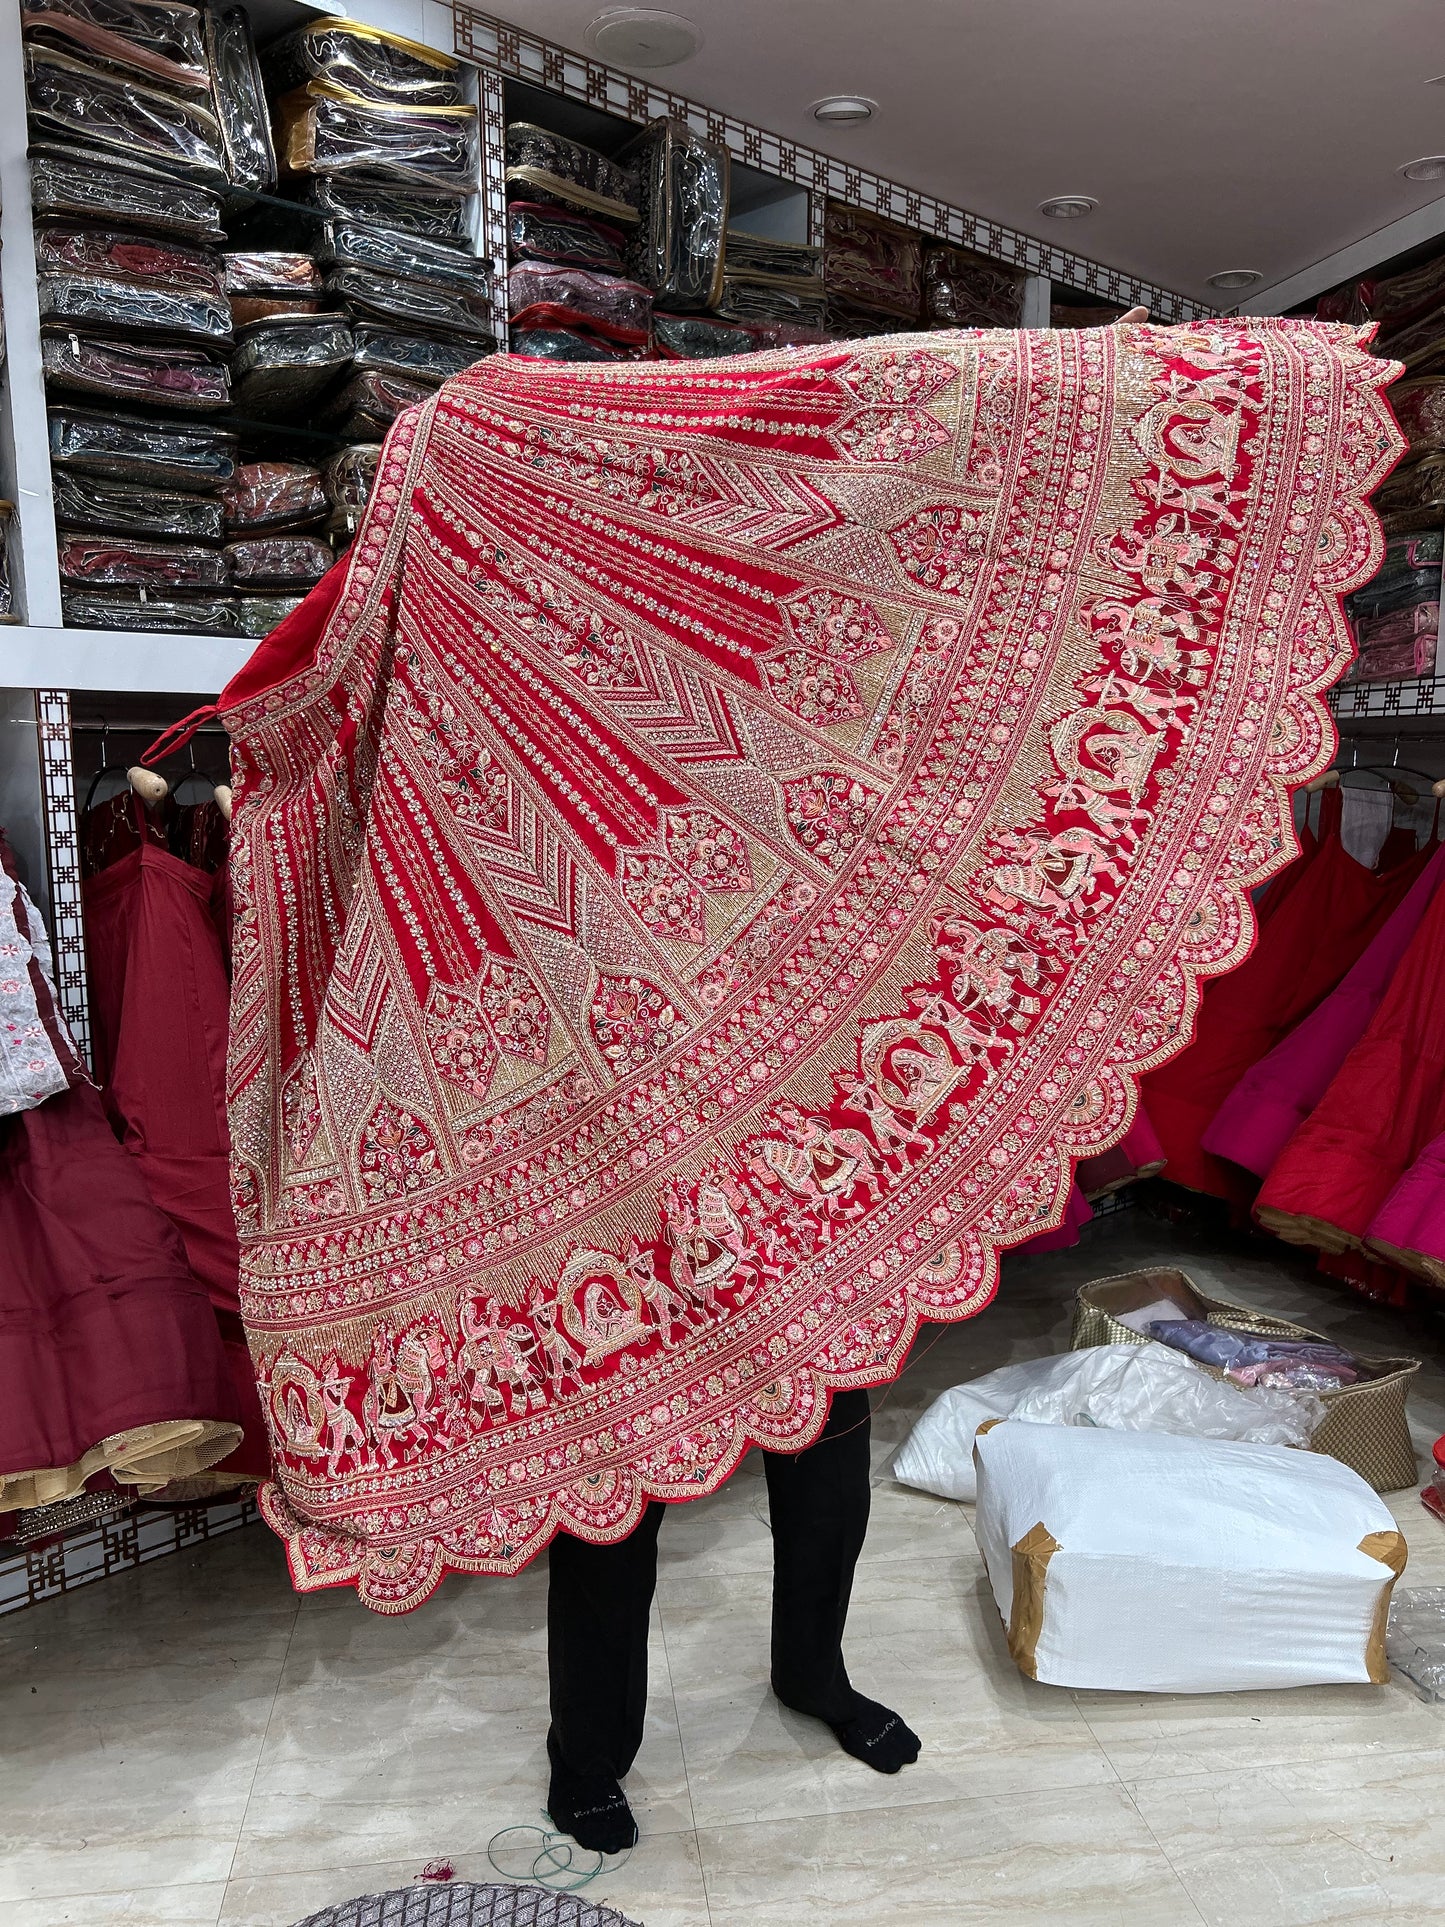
(190, 1745)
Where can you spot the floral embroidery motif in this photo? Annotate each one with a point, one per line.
(633, 1021)
(829, 814)
(396, 1154)
(942, 548)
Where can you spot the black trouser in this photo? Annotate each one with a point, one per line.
(599, 1599)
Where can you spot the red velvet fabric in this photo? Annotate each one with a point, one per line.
(103, 1327)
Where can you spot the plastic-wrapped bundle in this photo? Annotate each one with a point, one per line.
(62, 248)
(273, 495)
(683, 193)
(694, 337)
(258, 615)
(278, 561)
(541, 294)
(753, 302)
(420, 358)
(240, 99)
(1413, 497)
(563, 344)
(1420, 410)
(349, 475)
(543, 166)
(435, 217)
(447, 310)
(966, 290)
(1394, 300)
(134, 371)
(88, 300)
(195, 616)
(355, 244)
(537, 233)
(118, 561)
(1099, 314)
(1410, 573)
(262, 283)
(151, 38)
(323, 131)
(172, 454)
(7, 601)
(775, 264)
(284, 362)
(1401, 643)
(370, 402)
(365, 61)
(64, 186)
(871, 266)
(127, 508)
(122, 116)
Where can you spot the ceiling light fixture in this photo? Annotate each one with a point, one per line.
(1235, 278)
(642, 37)
(1429, 167)
(1068, 207)
(843, 110)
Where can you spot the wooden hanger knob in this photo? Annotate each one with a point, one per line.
(147, 784)
(224, 801)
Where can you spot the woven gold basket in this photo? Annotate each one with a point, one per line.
(1365, 1426)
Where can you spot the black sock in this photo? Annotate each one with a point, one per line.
(877, 1736)
(591, 1807)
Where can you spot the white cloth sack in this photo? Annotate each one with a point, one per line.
(1144, 1562)
(1136, 1388)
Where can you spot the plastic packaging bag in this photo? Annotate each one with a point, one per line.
(370, 402)
(366, 61)
(1250, 1359)
(258, 615)
(117, 255)
(354, 244)
(446, 310)
(684, 187)
(348, 478)
(7, 600)
(65, 187)
(543, 166)
(151, 39)
(161, 376)
(273, 495)
(1416, 1639)
(96, 109)
(422, 358)
(764, 263)
(115, 561)
(537, 233)
(1132, 1388)
(965, 290)
(563, 344)
(124, 508)
(1136, 1562)
(91, 300)
(872, 267)
(278, 561)
(283, 363)
(435, 217)
(695, 337)
(543, 294)
(240, 100)
(180, 455)
(327, 133)
(261, 283)
(196, 615)
(753, 303)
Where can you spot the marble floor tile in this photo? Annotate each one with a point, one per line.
(422, 1737)
(1080, 1857)
(1351, 1840)
(924, 1638)
(660, 1883)
(187, 1905)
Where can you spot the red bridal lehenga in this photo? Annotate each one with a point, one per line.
(725, 844)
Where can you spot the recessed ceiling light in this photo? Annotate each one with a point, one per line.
(843, 110)
(1068, 207)
(642, 37)
(1235, 278)
(1429, 167)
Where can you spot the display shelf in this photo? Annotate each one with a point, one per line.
(118, 659)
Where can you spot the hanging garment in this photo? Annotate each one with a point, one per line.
(1138, 1154)
(1381, 1109)
(715, 856)
(1065, 1236)
(1409, 1228)
(1276, 1094)
(109, 1353)
(1313, 936)
(38, 1055)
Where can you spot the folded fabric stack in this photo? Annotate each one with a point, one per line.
(1408, 307)
(966, 290)
(874, 273)
(1096, 314)
(776, 285)
(1396, 617)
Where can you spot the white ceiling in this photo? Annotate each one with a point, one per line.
(1215, 133)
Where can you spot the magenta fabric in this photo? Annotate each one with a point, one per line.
(1077, 1214)
(102, 1325)
(1409, 1226)
(1276, 1094)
